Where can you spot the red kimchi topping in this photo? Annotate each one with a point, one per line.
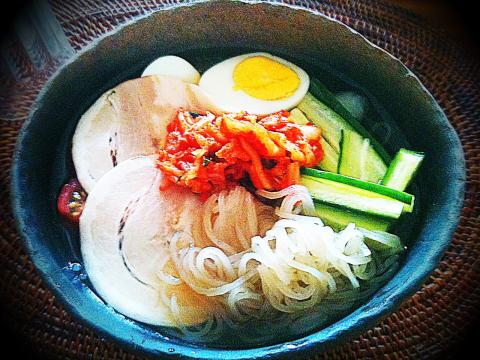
(209, 153)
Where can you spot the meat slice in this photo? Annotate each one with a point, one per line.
(130, 120)
(125, 229)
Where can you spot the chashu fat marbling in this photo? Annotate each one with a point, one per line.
(125, 230)
(130, 120)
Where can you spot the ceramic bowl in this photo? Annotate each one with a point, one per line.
(404, 114)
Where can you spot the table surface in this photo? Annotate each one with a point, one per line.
(427, 325)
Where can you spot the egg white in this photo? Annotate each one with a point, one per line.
(173, 66)
(218, 82)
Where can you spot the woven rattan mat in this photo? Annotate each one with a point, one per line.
(426, 325)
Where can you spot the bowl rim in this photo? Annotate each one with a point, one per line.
(355, 322)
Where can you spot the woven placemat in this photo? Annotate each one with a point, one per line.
(426, 325)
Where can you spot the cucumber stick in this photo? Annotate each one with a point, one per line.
(324, 95)
(402, 169)
(325, 118)
(332, 126)
(407, 199)
(353, 155)
(330, 156)
(298, 117)
(338, 218)
(352, 198)
(358, 159)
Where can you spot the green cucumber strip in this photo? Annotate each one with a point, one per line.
(358, 159)
(407, 199)
(364, 174)
(375, 168)
(325, 118)
(402, 169)
(330, 156)
(332, 126)
(298, 116)
(338, 218)
(318, 90)
(353, 198)
(351, 146)
(340, 153)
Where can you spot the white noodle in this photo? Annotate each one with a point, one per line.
(162, 275)
(252, 261)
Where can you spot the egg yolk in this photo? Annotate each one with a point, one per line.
(264, 78)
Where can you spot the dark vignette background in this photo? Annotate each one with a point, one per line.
(458, 18)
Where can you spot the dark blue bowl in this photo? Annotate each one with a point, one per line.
(204, 32)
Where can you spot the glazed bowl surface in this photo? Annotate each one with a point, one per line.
(404, 114)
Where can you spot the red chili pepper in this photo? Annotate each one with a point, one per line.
(71, 200)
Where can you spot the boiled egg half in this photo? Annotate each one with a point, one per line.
(258, 83)
(173, 66)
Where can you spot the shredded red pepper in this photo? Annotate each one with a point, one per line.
(209, 153)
